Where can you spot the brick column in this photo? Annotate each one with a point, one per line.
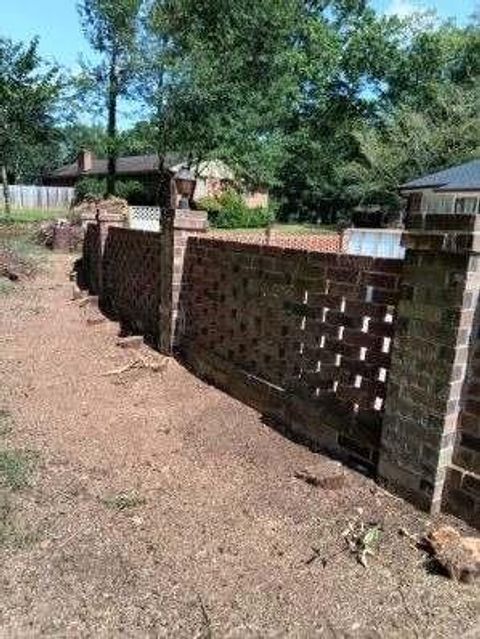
(440, 287)
(177, 226)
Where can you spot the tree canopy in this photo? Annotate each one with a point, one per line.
(327, 102)
(29, 90)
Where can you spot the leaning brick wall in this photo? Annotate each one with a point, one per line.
(131, 279)
(91, 257)
(303, 336)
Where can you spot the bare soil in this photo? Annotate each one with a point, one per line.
(160, 506)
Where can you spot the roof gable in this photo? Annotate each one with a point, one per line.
(456, 178)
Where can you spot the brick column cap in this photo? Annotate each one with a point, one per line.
(189, 220)
(108, 216)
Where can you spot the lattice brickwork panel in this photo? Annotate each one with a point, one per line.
(131, 278)
(145, 218)
(316, 324)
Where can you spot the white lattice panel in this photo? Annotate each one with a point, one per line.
(145, 218)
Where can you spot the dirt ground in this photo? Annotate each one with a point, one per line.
(158, 506)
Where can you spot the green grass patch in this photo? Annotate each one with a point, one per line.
(27, 216)
(124, 501)
(6, 287)
(16, 468)
(305, 229)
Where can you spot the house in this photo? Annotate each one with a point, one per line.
(454, 190)
(213, 176)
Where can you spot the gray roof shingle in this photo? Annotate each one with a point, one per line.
(125, 165)
(463, 177)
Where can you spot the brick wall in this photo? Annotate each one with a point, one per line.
(325, 243)
(92, 257)
(462, 486)
(303, 336)
(131, 279)
(424, 455)
(375, 360)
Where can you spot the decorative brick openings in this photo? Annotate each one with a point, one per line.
(303, 336)
(328, 243)
(441, 280)
(375, 360)
(131, 280)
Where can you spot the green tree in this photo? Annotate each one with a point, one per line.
(29, 90)
(111, 28)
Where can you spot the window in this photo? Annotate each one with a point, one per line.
(466, 205)
(437, 203)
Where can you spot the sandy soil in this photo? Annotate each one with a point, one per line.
(217, 534)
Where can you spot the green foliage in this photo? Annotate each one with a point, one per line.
(90, 187)
(129, 190)
(29, 90)
(15, 468)
(111, 27)
(229, 211)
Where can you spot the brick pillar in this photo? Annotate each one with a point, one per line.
(440, 287)
(177, 226)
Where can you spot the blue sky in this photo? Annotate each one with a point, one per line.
(57, 24)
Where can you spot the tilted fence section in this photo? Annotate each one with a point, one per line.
(131, 279)
(309, 333)
(374, 359)
(39, 197)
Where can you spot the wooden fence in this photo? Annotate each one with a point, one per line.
(38, 197)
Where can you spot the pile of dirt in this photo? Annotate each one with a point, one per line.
(14, 265)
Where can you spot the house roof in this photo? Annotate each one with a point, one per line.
(463, 177)
(125, 165)
(135, 164)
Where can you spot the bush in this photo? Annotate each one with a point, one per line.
(89, 188)
(129, 190)
(229, 211)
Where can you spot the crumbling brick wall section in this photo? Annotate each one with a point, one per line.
(91, 258)
(304, 337)
(131, 279)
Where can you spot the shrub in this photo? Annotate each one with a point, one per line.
(129, 190)
(89, 188)
(229, 211)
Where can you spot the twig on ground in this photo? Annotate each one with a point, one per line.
(123, 369)
(139, 362)
(206, 623)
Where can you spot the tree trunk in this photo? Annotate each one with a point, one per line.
(113, 90)
(6, 192)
